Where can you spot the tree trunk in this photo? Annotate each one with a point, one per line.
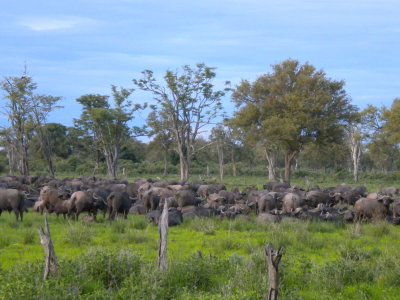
(273, 259)
(234, 172)
(271, 159)
(97, 162)
(24, 164)
(112, 160)
(184, 168)
(355, 150)
(50, 167)
(220, 152)
(356, 155)
(165, 172)
(47, 155)
(51, 262)
(10, 156)
(46, 147)
(289, 156)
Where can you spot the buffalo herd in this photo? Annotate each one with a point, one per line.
(277, 200)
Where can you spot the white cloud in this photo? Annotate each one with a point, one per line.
(47, 24)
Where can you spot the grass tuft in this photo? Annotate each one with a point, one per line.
(78, 234)
(137, 237)
(118, 226)
(5, 241)
(29, 237)
(206, 225)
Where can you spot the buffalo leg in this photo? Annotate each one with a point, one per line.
(17, 213)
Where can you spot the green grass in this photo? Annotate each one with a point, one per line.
(118, 260)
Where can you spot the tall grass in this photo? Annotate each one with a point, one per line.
(78, 234)
(117, 260)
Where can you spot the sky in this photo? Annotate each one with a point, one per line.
(72, 48)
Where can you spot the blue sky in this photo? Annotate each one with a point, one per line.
(72, 48)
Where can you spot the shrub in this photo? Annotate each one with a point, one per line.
(111, 268)
(194, 274)
(140, 224)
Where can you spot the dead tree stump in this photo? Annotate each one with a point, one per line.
(273, 259)
(51, 263)
(163, 234)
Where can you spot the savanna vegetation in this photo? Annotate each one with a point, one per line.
(292, 120)
(293, 124)
(100, 260)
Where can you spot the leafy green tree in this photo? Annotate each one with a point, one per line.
(19, 91)
(358, 131)
(219, 139)
(246, 124)
(233, 146)
(391, 121)
(163, 139)
(27, 112)
(84, 126)
(291, 107)
(41, 106)
(385, 145)
(58, 136)
(188, 102)
(108, 124)
(325, 157)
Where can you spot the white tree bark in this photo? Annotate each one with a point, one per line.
(355, 146)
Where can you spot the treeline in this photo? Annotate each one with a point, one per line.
(293, 117)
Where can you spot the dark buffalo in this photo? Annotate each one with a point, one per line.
(12, 200)
(118, 203)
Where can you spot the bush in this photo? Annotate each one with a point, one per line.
(111, 268)
(140, 224)
(194, 274)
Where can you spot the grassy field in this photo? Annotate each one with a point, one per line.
(118, 260)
